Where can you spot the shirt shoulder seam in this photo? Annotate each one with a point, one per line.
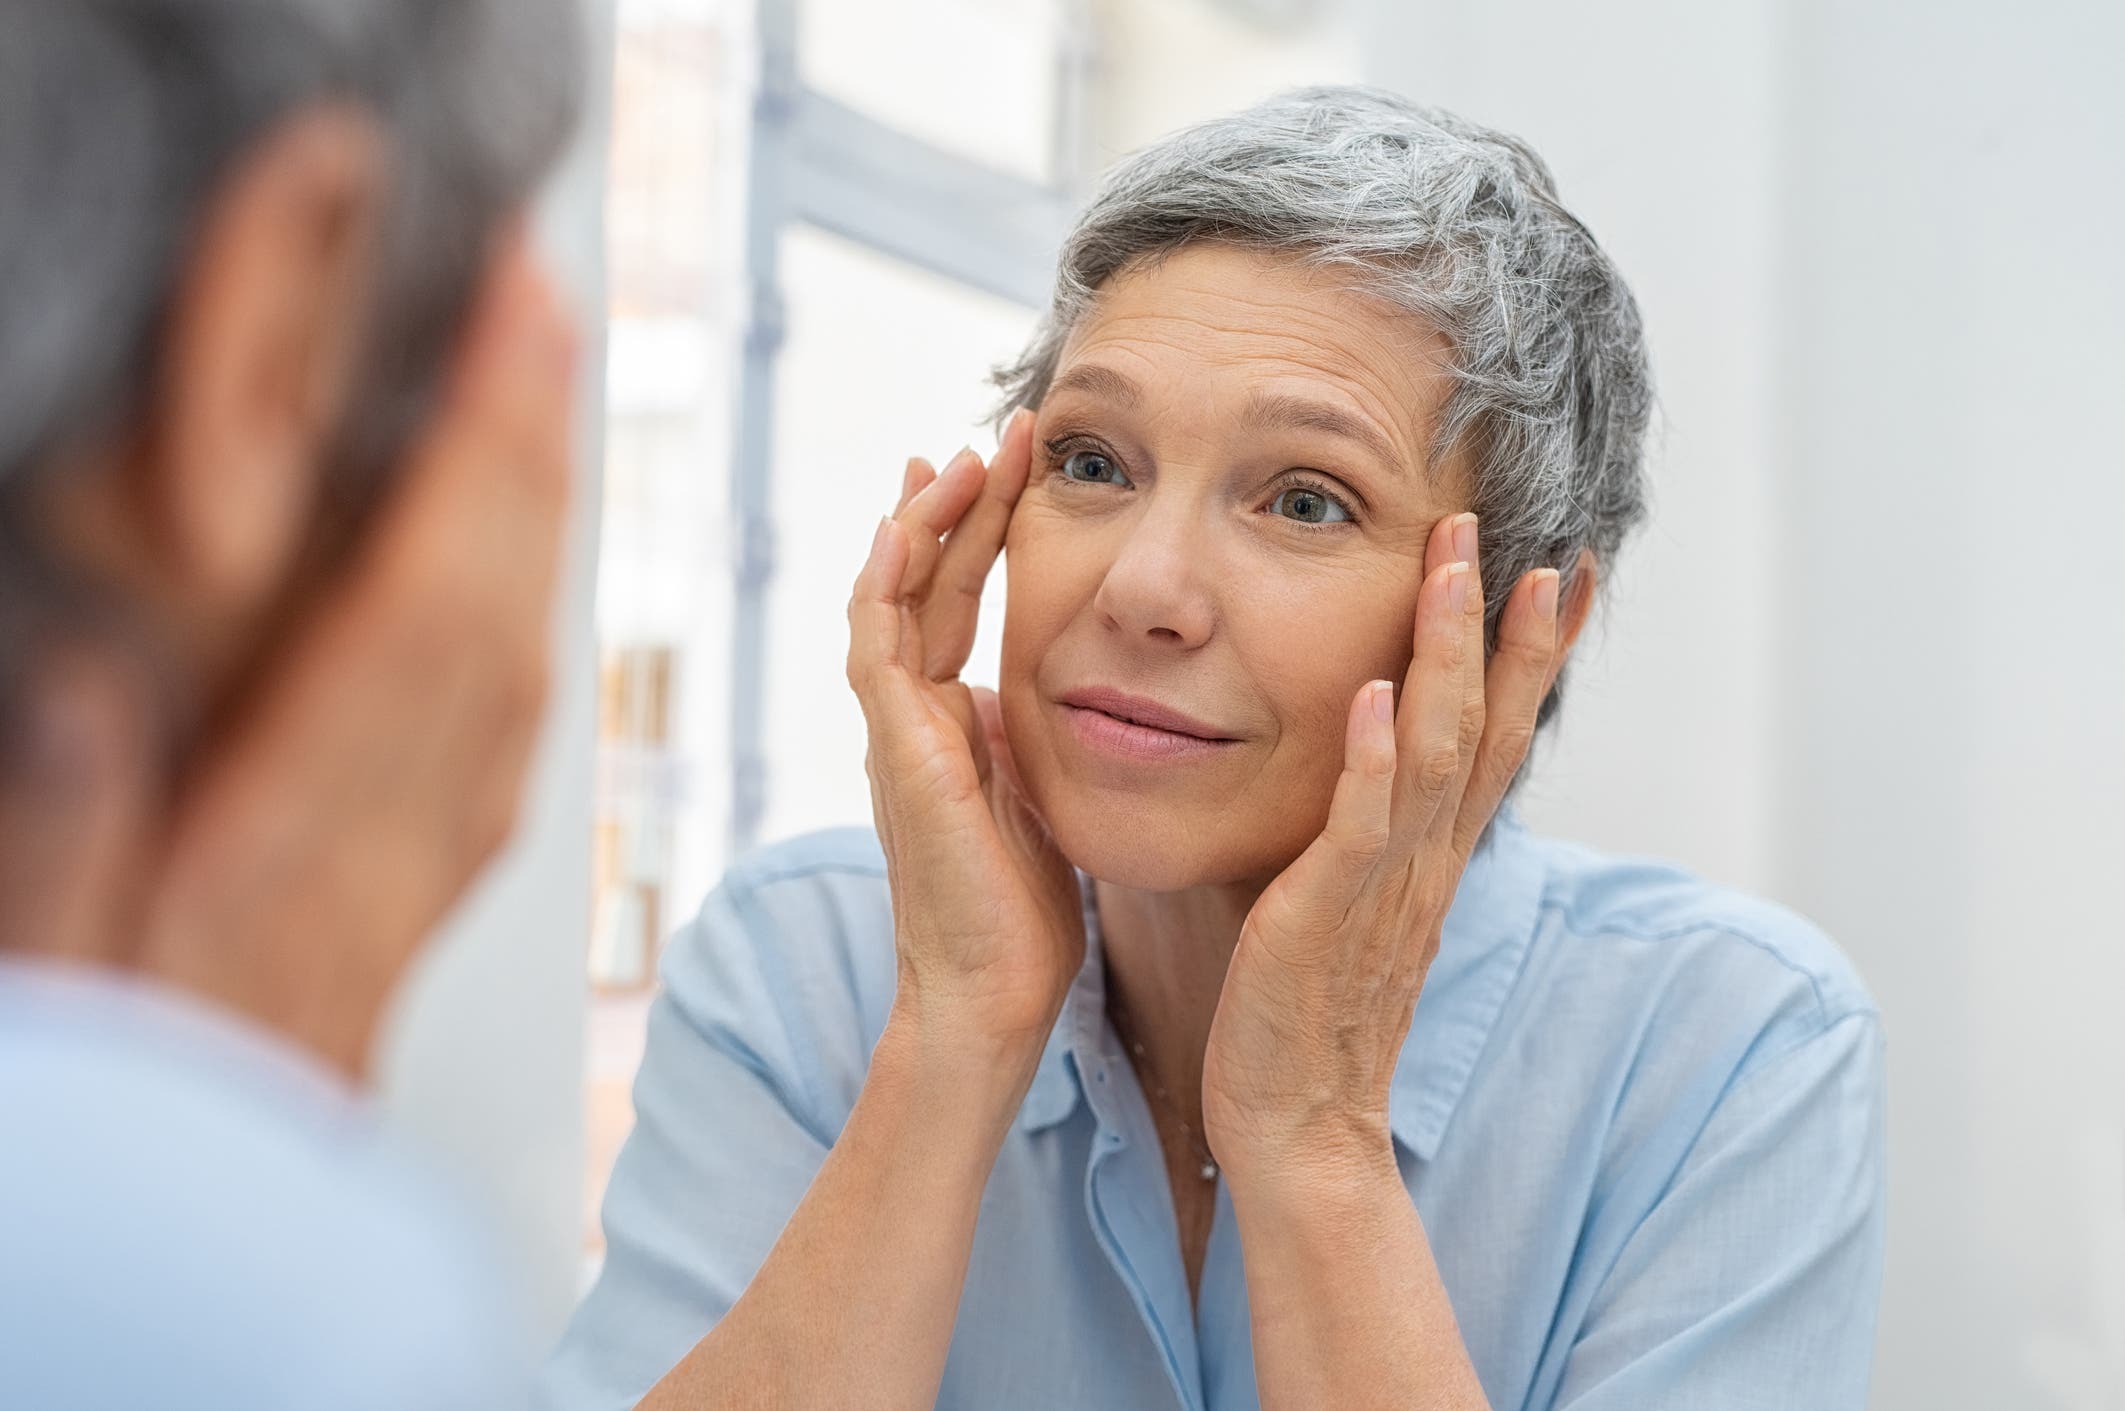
(1727, 923)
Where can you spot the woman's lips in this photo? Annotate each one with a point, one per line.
(1123, 739)
(1137, 729)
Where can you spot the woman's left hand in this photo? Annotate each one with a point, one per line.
(1331, 959)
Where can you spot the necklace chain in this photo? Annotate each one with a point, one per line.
(1206, 1163)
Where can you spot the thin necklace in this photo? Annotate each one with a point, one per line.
(1206, 1164)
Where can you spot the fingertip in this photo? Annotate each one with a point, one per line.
(1371, 743)
(1529, 627)
(914, 478)
(1544, 597)
(1462, 592)
(1014, 447)
(1436, 619)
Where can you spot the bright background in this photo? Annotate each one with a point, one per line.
(1867, 660)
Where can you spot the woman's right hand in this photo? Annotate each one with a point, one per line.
(986, 911)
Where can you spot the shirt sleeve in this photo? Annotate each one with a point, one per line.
(753, 1056)
(1755, 1278)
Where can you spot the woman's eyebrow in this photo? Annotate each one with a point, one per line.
(1280, 411)
(1098, 380)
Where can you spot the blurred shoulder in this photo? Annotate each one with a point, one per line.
(185, 1189)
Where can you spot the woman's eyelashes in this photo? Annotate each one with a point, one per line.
(1300, 500)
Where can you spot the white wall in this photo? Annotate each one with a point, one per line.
(1953, 753)
(484, 1067)
(1877, 245)
(1657, 118)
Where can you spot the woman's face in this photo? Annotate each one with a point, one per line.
(1226, 517)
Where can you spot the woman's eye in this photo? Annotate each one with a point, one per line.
(1092, 468)
(1308, 506)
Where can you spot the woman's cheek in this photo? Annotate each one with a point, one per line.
(1049, 553)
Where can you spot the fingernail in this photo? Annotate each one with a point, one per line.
(964, 453)
(1383, 701)
(1546, 595)
(878, 538)
(1465, 538)
(1457, 587)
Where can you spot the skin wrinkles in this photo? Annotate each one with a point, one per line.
(1186, 588)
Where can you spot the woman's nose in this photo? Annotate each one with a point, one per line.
(1158, 586)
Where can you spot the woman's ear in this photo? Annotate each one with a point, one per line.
(1578, 599)
(252, 375)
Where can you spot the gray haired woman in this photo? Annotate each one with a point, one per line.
(1201, 1026)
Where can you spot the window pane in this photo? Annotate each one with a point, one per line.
(975, 77)
(882, 361)
(664, 575)
(673, 236)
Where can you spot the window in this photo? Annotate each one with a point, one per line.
(813, 264)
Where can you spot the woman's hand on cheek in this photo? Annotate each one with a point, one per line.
(1333, 955)
(986, 913)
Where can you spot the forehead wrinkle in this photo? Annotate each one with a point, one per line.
(1175, 308)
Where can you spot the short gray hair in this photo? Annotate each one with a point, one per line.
(118, 118)
(1458, 224)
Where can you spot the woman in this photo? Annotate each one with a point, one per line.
(1190, 1032)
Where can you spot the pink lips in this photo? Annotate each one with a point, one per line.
(1134, 727)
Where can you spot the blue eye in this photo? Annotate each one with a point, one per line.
(1307, 505)
(1092, 468)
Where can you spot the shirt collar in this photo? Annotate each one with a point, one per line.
(1482, 944)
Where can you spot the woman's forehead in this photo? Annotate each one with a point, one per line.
(1231, 308)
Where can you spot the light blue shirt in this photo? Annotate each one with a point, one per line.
(193, 1217)
(1640, 1116)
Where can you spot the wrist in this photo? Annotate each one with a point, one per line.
(1293, 1163)
(977, 1018)
(1325, 1207)
(969, 1072)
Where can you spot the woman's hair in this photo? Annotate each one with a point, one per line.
(1459, 225)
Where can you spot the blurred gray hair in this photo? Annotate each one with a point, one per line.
(1457, 224)
(119, 117)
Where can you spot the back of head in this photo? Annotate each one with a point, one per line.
(119, 120)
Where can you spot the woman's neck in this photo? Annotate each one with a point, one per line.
(1165, 955)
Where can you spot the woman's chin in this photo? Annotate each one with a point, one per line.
(1122, 868)
(1146, 850)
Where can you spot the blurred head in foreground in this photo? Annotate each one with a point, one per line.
(278, 475)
